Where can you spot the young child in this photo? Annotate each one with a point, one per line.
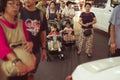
(68, 36)
(54, 35)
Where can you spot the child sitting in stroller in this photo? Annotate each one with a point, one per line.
(54, 37)
(68, 35)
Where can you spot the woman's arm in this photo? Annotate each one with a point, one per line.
(43, 38)
(5, 51)
(93, 22)
(63, 13)
(47, 14)
(112, 39)
(80, 21)
(112, 33)
(72, 14)
(58, 15)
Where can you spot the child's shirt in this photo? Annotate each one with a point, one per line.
(68, 30)
(51, 33)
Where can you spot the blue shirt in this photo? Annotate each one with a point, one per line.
(115, 20)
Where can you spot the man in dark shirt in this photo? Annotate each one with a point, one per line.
(35, 21)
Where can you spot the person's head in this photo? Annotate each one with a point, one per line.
(68, 23)
(30, 3)
(52, 4)
(69, 4)
(88, 7)
(53, 27)
(10, 7)
(62, 4)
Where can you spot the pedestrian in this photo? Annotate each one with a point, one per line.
(62, 7)
(68, 11)
(86, 20)
(114, 32)
(52, 13)
(13, 35)
(37, 32)
(42, 5)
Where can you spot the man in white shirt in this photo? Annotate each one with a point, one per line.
(68, 11)
(62, 6)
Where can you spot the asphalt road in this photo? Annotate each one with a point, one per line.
(58, 70)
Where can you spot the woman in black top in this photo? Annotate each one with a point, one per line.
(86, 20)
(52, 13)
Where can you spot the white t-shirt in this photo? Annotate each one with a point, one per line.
(67, 11)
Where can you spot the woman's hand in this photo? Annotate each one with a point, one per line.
(86, 25)
(55, 19)
(113, 48)
(28, 46)
(21, 68)
(44, 54)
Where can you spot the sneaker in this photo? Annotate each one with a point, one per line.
(52, 49)
(89, 55)
(59, 49)
(78, 52)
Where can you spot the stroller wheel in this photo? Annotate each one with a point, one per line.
(48, 59)
(61, 56)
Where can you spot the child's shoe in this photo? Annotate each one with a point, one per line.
(52, 49)
(59, 49)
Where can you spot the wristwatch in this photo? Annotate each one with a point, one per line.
(15, 61)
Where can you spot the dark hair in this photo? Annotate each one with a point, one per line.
(88, 4)
(62, 1)
(68, 22)
(69, 2)
(54, 25)
(52, 2)
(3, 4)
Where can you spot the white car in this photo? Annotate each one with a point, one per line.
(105, 69)
(103, 10)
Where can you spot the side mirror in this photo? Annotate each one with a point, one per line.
(115, 2)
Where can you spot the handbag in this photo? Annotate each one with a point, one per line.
(87, 32)
(9, 69)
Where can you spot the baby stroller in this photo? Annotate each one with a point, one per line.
(63, 22)
(54, 44)
(67, 32)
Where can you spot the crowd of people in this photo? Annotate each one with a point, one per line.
(23, 27)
